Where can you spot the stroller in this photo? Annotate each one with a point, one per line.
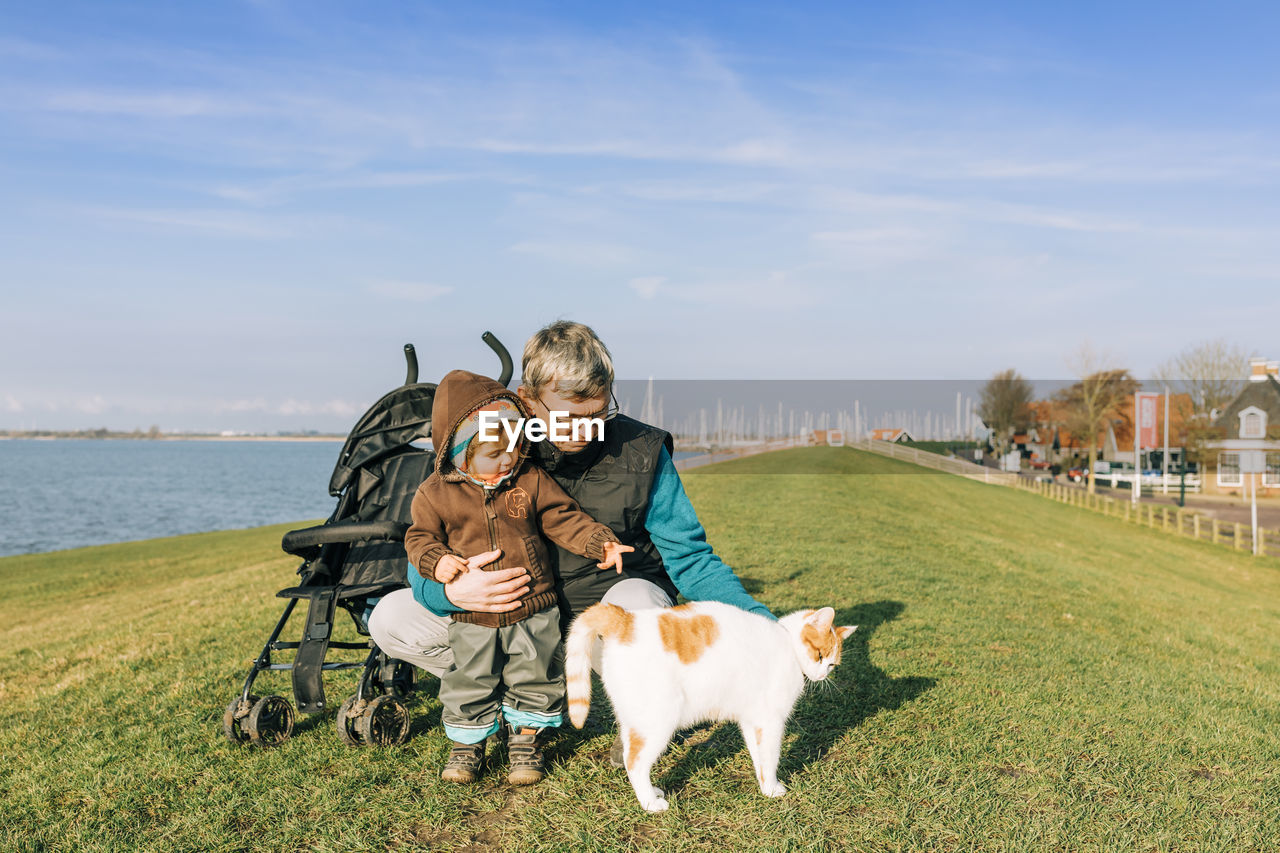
(350, 561)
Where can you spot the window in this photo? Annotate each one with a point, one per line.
(1253, 423)
(1229, 470)
(1271, 476)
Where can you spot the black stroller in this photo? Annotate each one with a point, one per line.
(353, 558)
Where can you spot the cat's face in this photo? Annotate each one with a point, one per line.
(818, 641)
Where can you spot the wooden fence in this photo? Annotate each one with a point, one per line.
(1176, 521)
(940, 463)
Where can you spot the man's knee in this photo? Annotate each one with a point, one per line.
(406, 630)
(637, 594)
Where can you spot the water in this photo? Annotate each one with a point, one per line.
(69, 493)
(66, 494)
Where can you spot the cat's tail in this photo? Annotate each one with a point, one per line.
(600, 622)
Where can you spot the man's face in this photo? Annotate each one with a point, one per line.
(549, 400)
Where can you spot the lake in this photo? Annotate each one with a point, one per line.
(70, 493)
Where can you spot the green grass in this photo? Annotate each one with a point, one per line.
(1027, 676)
(942, 448)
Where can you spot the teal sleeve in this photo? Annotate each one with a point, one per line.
(430, 594)
(693, 567)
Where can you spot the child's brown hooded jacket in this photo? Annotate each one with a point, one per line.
(454, 515)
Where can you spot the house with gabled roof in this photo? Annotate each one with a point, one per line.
(897, 436)
(1250, 422)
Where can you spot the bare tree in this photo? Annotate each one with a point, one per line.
(1212, 372)
(1092, 402)
(1005, 405)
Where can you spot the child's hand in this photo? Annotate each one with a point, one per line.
(613, 552)
(449, 567)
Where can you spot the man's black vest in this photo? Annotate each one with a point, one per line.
(610, 480)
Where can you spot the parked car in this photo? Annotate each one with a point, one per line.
(1077, 474)
(1040, 464)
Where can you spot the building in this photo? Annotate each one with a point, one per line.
(1250, 422)
(896, 436)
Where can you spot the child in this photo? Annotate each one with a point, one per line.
(483, 497)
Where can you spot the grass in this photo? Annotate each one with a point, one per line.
(1026, 676)
(943, 448)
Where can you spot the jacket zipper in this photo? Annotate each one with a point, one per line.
(491, 519)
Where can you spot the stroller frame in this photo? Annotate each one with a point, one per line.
(347, 563)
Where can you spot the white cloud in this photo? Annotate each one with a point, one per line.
(282, 187)
(215, 223)
(647, 286)
(94, 404)
(576, 253)
(869, 236)
(254, 404)
(408, 291)
(329, 407)
(134, 104)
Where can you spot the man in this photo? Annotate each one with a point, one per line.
(625, 480)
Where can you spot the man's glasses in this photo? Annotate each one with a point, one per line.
(606, 414)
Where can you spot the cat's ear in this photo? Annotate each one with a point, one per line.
(821, 619)
(844, 631)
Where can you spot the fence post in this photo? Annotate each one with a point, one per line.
(1217, 532)
(1164, 518)
(1195, 523)
(1239, 536)
(1127, 507)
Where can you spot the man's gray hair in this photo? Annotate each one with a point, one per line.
(571, 356)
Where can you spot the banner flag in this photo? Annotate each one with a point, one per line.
(1147, 404)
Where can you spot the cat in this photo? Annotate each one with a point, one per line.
(671, 668)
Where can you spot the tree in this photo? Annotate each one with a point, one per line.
(1005, 405)
(1212, 373)
(1092, 402)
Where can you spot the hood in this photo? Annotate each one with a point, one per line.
(458, 395)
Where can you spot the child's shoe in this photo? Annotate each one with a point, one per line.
(525, 755)
(466, 762)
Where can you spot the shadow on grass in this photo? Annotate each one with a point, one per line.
(856, 690)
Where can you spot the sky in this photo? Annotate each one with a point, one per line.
(232, 215)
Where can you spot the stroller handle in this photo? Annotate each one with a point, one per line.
(505, 357)
(412, 358)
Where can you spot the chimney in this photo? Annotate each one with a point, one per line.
(1260, 368)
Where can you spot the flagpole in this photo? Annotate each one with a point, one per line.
(1165, 466)
(1137, 453)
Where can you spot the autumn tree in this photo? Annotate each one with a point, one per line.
(1005, 405)
(1094, 400)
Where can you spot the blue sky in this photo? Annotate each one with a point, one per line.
(232, 215)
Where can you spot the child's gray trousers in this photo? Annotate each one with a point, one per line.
(514, 673)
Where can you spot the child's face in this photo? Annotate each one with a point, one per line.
(492, 461)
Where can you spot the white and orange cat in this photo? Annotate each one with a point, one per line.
(667, 669)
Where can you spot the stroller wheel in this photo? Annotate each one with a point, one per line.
(270, 721)
(349, 720)
(385, 722)
(235, 718)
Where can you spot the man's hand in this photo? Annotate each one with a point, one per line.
(449, 567)
(613, 552)
(488, 592)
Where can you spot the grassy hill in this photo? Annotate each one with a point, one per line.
(1027, 676)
